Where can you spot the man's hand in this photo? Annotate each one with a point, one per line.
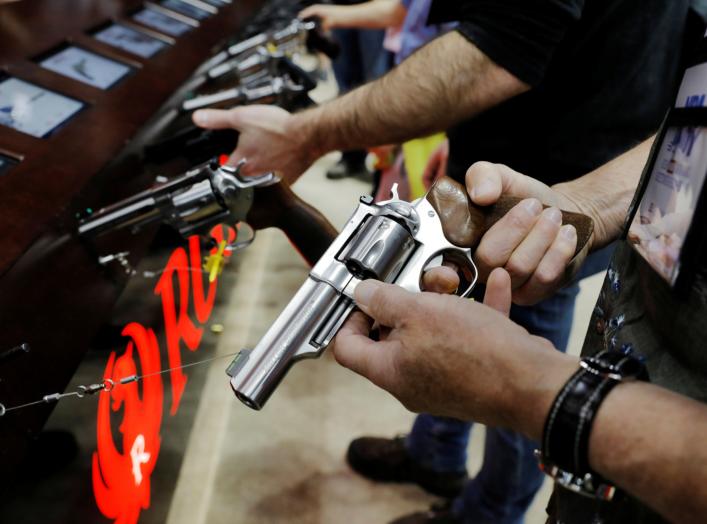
(529, 242)
(331, 16)
(268, 140)
(454, 357)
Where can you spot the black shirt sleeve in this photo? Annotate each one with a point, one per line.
(519, 35)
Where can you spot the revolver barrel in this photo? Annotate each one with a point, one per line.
(301, 331)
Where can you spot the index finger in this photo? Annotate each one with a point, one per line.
(501, 240)
(354, 349)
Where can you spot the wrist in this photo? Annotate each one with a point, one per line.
(302, 128)
(543, 374)
(569, 427)
(606, 208)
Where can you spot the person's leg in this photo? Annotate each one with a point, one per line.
(348, 68)
(438, 443)
(375, 59)
(350, 72)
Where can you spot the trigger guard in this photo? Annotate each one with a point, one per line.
(461, 257)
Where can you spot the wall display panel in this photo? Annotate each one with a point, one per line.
(86, 67)
(6, 164)
(34, 110)
(162, 22)
(185, 9)
(130, 40)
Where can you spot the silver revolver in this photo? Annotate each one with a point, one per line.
(290, 39)
(393, 241)
(209, 195)
(192, 203)
(248, 70)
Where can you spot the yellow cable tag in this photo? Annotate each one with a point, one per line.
(272, 48)
(215, 263)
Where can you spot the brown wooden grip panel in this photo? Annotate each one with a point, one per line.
(464, 223)
(308, 230)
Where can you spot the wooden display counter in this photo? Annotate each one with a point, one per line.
(76, 108)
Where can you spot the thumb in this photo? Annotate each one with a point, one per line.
(498, 294)
(385, 303)
(484, 182)
(216, 119)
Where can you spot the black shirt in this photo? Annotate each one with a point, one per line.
(602, 75)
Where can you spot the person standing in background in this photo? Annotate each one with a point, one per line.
(405, 21)
(359, 27)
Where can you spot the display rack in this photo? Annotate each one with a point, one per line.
(104, 83)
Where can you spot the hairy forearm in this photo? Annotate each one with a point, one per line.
(606, 193)
(444, 82)
(651, 442)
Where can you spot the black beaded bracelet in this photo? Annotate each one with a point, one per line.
(565, 445)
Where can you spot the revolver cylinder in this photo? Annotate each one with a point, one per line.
(378, 250)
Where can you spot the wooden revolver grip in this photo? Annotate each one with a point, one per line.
(308, 230)
(464, 223)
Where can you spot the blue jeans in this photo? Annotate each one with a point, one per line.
(509, 478)
(362, 57)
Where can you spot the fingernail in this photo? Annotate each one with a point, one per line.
(533, 206)
(481, 190)
(201, 117)
(554, 215)
(364, 292)
(569, 232)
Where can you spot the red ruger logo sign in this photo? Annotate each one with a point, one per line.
(121, 473)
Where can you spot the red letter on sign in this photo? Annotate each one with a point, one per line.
(178, 325)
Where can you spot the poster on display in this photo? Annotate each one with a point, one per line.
(86, 67)
(185, 9)
(32, 109)
(130, 40)
(665, 212)
(162, 22)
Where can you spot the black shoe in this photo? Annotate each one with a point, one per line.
(345, 169)
(437, 514)
(387, 460)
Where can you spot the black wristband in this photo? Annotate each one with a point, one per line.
(569, 423)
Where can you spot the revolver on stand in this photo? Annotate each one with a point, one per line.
(297, 36)
(209, 195)
(261, 64)
(283, 91)
(392, 241)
